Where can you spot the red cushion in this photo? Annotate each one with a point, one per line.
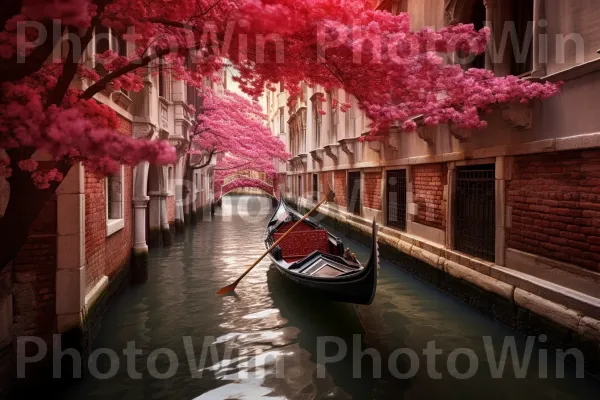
(301, 244)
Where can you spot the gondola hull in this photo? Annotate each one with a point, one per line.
(325, 272)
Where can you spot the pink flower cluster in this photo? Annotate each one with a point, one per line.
(43, 179)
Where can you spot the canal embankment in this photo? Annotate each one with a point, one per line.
(533, 306)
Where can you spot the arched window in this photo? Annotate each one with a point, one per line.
(317, 118)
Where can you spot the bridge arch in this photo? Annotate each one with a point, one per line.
(241, 181)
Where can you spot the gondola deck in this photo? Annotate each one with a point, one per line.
(315, 259)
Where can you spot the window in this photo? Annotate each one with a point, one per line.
(114, 203)
(333, 116)
(162, 90)
(317, 119)
(118, 44)
(107, 39)
(102, 41)
(225, 80)
(281, 88)
(522, 61)
(299, 193)
(478, 18)
(268, 100)
(353, 195)
(315, 187)
(474, 211)
(396, 199)
(281, 120)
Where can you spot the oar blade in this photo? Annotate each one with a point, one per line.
(227, 289)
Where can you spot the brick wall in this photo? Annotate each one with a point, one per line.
(171, 209)
(34, 273)
(105, 255)
(372, 188)
(555, 200)
(428, 192)
(340, 187)
(325, 179)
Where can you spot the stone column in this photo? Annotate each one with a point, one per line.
(165, 231)
(70, 273)
(540, 39)
(6, 332)
(140, 248)
(503, 173)
(154, 219)
(497, 59)
(450, 193)
(179, 214)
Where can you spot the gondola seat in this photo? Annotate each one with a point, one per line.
(298, 245)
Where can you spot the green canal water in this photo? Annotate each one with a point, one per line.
(272, 342)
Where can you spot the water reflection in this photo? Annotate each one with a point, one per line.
(263, 342)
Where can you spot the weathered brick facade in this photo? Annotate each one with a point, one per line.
(340, 187)
(34, 274)
(555, 200)
(428, 193)
(171, 209)
(372, 188)
(325, 179)
(105, 255)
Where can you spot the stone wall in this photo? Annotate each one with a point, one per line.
(428, 193)
(372, 185)
(555, 201)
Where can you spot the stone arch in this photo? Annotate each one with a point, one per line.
(253, 183)
(157, 224)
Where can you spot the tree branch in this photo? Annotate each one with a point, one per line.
(101, 84)
(207, 163)
(70, 67)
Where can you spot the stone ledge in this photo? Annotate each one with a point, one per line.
(97, 290)
(548, 309)
(588, 141)
(485, 282)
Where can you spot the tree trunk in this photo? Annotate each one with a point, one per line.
(24, 205)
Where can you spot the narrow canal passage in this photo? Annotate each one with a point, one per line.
(268, 338)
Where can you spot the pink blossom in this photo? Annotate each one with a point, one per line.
(28, 165)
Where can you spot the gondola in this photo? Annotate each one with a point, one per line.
(313, 258)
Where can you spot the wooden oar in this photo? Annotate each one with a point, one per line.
(230, 288)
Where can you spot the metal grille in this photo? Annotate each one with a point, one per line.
(396, 199)
(475, 225)
(354, 192)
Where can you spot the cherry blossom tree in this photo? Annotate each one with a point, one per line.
(233, 129)
(47, 102)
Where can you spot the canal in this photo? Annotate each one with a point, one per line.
(266, 342)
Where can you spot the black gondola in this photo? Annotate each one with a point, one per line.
(312, 257)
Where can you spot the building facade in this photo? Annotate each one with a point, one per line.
(512, 209)
(93, 236)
